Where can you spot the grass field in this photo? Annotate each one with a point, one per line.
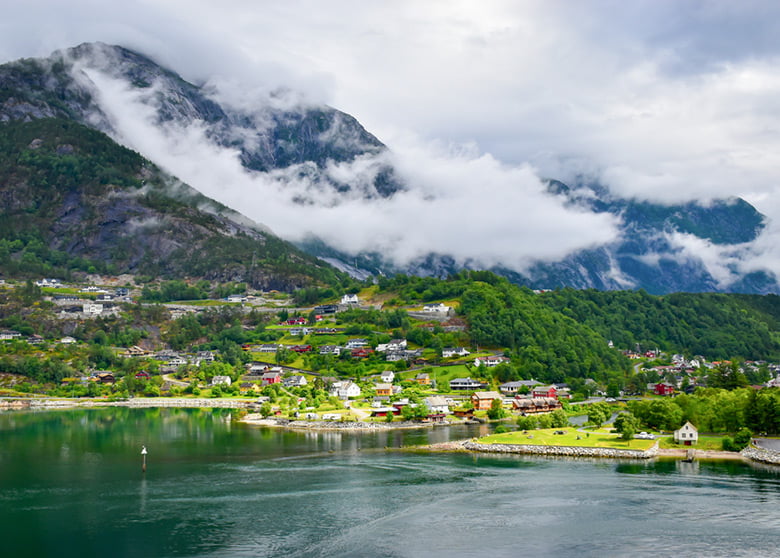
(705, 443)
(572, 437)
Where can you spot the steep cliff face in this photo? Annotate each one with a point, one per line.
(71, 198)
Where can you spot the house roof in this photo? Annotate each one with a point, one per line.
(487, 395)
(688, 426)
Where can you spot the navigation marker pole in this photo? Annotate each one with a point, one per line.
(143, 453)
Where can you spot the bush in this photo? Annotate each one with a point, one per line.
(739, 442)
(527, 423)
(496, 411)
(500, 429)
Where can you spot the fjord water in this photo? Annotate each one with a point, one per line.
(71, 485)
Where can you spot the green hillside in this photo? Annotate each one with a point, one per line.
(74, 200)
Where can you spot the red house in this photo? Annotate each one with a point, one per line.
(545, 391)
(142, 376)
(663, 388)
(269, 378)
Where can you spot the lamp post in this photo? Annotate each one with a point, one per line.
(143, 455)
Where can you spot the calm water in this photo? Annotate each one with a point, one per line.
(71, 485)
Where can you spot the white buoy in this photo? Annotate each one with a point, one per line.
(143, 454)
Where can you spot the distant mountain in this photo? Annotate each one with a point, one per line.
(306, 144)
(645, 256)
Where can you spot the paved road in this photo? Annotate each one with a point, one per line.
(768, 443)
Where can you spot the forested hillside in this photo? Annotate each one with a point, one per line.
(717, 326)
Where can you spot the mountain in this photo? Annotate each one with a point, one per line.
(302, 148)
(648, 254)
(72, 199)
(277, 135)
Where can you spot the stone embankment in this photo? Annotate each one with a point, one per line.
(566, 451)
(761, 455)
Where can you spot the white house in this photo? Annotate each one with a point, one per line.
(437, 404)
(220, 381)
(9, 334)
(350, 299)
(449, 352)
(345, 389)
(67, 340)
(330, 350)
(295, 381)
(46, 282)
(387, 376)
(92, 309)
(396, 345)
(236, 298)
(687, 434)
(437, 307)
(490, 361)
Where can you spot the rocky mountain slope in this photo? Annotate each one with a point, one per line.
(71, 199)
(294, 142)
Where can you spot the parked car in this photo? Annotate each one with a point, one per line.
(645, 436)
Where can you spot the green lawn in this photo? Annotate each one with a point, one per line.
(712, 442)
(546, 437)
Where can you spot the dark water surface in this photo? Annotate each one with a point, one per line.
(71, 485)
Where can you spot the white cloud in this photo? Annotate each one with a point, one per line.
(464, 203)
(659, 99)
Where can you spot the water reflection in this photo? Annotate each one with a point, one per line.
(70, 485)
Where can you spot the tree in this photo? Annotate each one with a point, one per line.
(627, 425)
(559, 418)
(599, 413)
(496, 410)
(527, 422)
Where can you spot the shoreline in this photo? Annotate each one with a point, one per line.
(257, 420)
(702, 454)
(135, 402)
(470, 446)
(749, 455)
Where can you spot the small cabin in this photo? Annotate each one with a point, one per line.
(687, 435)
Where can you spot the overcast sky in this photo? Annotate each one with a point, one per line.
(664, 100)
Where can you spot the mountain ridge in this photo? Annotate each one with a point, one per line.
(307, 141)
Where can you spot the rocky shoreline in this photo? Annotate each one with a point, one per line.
(761, 455)
(608, 453)
(564, 451)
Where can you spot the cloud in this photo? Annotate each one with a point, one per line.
(465, 203)
(659, 99)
